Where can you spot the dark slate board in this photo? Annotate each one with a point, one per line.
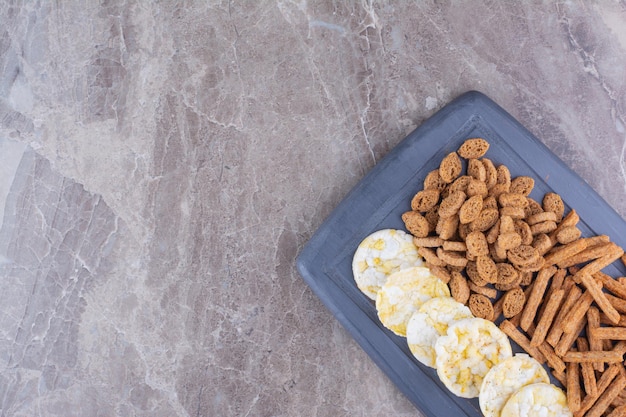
(380, 198)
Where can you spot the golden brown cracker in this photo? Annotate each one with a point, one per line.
(513, 302)
(480, 306)
(451, 204)
(425, 200)
(553, 202)
(450, 167)
(470, 209)
(487, 269)
(486, 219)
(491, 173)
(434, 182)
(523, 255)
(476, 243)
(476, 169)
(459, 288)
(415, 223)
(522, 185)
(473, 148)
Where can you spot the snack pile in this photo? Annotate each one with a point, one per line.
(508, 259)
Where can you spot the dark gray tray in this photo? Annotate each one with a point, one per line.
(380, 198)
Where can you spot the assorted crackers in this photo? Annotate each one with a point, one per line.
(524, 264)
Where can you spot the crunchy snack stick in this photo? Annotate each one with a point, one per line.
(603, 383)
(577, 312)
(573, 386)
(534, 299)
(591, 252)
(565, 251)
(596, 292)
(611, 333)
(613, 253)
(553, 303)
(608, 396)
(609, 356)
(518, 337)
(568, 337)
(618, 303)
(586, 368)
(557, 326)
(612, 285)
(593, 322)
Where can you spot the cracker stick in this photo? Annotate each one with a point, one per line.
(607, 397)
(596, 292)
(593, 322)
(586, 368)
(568, 338)
(535, 297)
(618, 303)
(611, 333)
(557, 283)
(577, 312)
(613, 253)
(561, 377)
(546, 319)
(605, 380)
(609, 356)
(612, 285)
(553, 360)
(557, 325)
(520, 338)
(596, 240)
(605, 320)
(573, 386)
(563, 252)
(590, 253)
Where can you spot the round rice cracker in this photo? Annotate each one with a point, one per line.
(537, 400)
(381, 254)
(506, 378)
(429, 323)
(470, 348)
(404, 293)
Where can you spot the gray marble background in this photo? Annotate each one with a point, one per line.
(162, 164)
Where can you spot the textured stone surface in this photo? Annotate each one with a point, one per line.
(162, 163)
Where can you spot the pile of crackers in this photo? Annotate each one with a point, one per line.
(525, 264)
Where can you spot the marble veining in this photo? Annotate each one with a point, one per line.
(162, 164)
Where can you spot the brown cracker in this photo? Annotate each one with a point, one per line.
(450, 167)
(473, 148)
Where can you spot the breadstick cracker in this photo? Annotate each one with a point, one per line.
(535, 297)
(595, 290)
(546, 319)
(593, 322)
(607, 397)
(586, 368)
(520, 338)
(573, 386)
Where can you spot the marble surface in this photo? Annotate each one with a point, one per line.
(163, 163)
